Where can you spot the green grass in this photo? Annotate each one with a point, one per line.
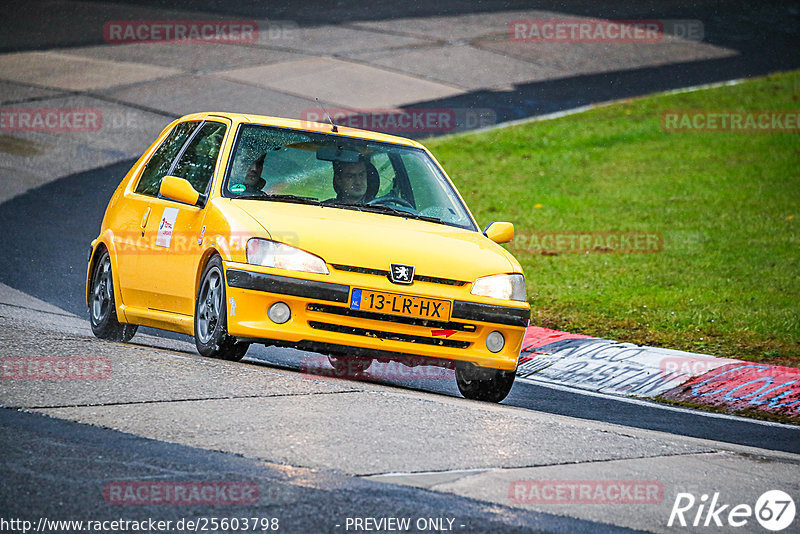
(727, 281)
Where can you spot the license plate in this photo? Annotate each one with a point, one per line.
(396, 304)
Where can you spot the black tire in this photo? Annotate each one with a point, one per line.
(102, 305)
(349, 367)
(211, 317)
(483, 384)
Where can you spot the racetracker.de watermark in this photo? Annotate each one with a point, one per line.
(53, 120)
(585, 492)
(726, 121)
(162, 238)
(181, 31)
(353, 368)
(574, 242)
(679, 365)
(180, 493)
(643, 31)
(405, 121)
(68, 120)
(55, 368)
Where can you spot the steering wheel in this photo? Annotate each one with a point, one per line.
(391, 200)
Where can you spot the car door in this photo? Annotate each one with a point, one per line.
(176, 229)
(135, 213)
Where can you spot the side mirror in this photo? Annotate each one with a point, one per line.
(499, 232)
(179, 190)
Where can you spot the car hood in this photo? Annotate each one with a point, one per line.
(374, 240)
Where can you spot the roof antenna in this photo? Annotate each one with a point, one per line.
(334, 129)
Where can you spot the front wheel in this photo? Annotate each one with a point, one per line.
(211, 317)
(103, 307)
(480, 383)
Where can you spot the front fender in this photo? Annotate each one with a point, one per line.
(105, 240)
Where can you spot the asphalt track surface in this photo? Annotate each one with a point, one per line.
(763, 35)
(322, 497)
(65, 216)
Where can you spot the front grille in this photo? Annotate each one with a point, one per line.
(391, 336)
(385, 317)
(385, 274)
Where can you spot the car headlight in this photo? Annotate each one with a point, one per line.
(501, 286)
(273, 254)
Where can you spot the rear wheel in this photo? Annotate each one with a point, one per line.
(211, 317)
(484, 384)
(102, 306)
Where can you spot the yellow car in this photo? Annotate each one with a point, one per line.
(241, 229)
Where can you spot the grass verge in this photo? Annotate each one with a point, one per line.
(726, 207)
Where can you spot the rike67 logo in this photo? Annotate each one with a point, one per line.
(774, 510)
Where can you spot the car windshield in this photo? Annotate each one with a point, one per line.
(277, 164)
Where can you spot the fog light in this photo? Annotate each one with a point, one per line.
(279, 312)
(495, 341)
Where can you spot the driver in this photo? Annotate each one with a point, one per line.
(350, 182)
(253, 182)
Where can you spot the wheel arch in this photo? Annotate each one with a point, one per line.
(105, 243)
(209, 253)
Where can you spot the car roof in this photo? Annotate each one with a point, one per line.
(295, 124)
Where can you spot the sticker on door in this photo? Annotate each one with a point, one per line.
(166, 226)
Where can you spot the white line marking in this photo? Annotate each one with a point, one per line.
(445, 472)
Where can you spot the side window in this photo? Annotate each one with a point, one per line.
(200, 157)
(427, 192)
(161, 160)
(433, 196)
(385, 173)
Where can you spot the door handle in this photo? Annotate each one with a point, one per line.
(144, 219)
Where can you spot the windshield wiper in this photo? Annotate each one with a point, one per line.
(377, 208)
(382, 208)
(344, 205)
(281, 198)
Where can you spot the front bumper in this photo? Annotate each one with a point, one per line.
(321, 319)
